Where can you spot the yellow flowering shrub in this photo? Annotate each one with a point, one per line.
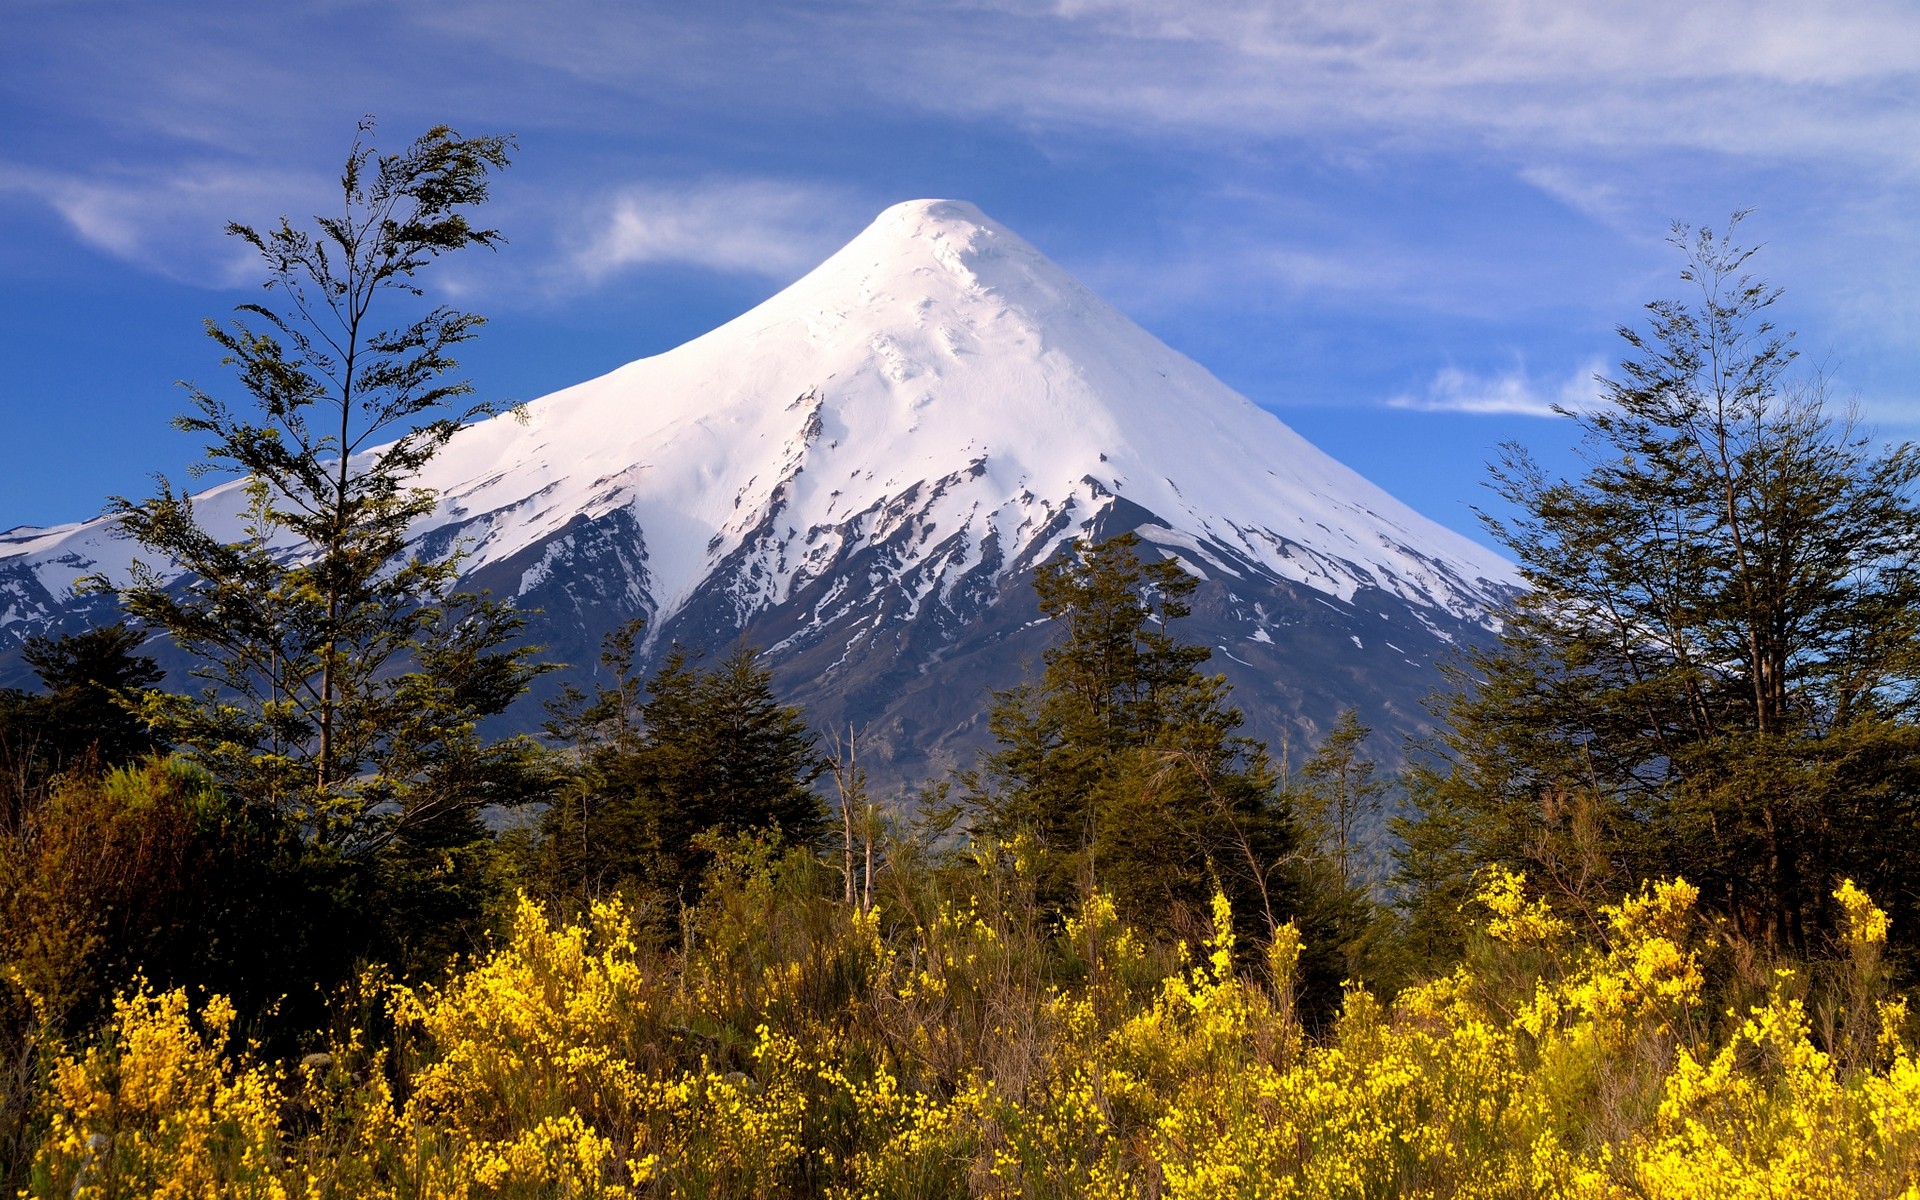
(1514, 919)
(947, 1044)
(1768, 1114)
(158, 1109)
(554, 1021)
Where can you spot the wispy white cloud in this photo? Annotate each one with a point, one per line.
(1202, 274)
(745, 226)
(1769, 78)
(1763, 78)
(1592, 193)
(170, 221)
(1514, 392)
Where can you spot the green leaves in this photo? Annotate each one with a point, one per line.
(1123, 764)
(1721, 604)
(343, 678)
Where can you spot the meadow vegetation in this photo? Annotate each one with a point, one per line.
(950, 1040)
(1648, 927)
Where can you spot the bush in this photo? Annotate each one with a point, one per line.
(942, 1043)
(144, 870)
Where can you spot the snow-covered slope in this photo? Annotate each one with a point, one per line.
(936, 346)
(938, 390)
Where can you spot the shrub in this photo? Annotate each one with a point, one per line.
(941, 1043)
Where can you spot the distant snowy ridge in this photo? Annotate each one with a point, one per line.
(937, 371)
(861, 475)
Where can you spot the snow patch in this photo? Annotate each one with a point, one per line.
(948, 385)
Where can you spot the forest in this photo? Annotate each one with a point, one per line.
(1639, 919)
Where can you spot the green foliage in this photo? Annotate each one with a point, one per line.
(1435, 855)
(92, 680)
(1340, 800)
(695, 751)
(145, 870)
(1715, 671)
(332, 689)
(1123, 767)
(1349, 934)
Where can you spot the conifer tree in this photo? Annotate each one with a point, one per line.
(91, 680)
(1716, 670)
(1124, 766)
(723, 755)
(1435, 855)
(343, 678)
(695, 751)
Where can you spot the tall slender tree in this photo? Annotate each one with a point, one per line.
(1340, 799)
(318, 630)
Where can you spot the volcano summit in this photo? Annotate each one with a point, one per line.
(860, 475)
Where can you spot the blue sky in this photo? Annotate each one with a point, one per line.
(1403, 227)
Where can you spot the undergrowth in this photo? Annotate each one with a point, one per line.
(949, 1042)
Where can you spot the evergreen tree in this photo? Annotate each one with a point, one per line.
(85, 714)
(1435, 854)
(1123, 767)
(344, 680)
(695, 752)
(722, 755)
(1714, 672)
(1341, 799)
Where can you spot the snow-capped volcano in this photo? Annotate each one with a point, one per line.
(859, 473)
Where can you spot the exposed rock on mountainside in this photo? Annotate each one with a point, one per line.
(860, 475)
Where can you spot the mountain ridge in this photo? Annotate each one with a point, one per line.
(862, 470)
